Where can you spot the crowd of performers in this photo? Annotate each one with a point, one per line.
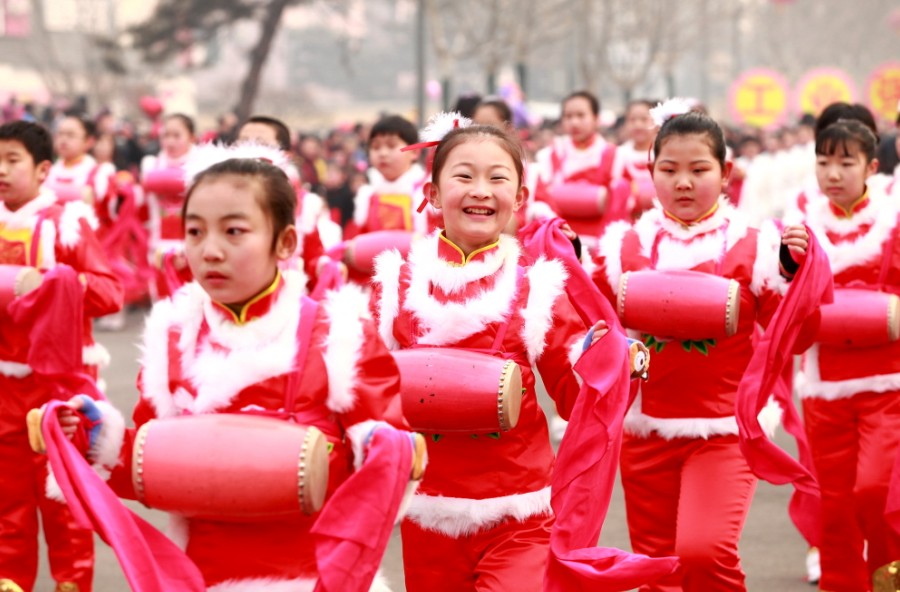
(313, 374)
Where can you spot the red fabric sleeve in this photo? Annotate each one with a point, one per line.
(103, 293)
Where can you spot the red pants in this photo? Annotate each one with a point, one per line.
(688, 497)
(854, 442)
(70, 549)
(511, 556)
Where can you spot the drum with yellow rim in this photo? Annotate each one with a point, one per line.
(682, 305)
(445, 390)
(860, 318)
(230, 467)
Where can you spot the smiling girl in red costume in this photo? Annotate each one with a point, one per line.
(483, 517)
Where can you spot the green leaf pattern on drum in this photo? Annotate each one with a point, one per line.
(701, 345)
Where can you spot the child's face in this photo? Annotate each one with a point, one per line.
(20, 178)
(71, 140)
(478, 192)
(260, 133)
(578, 121)
(176, 140)
(386, 157)
(488, 115)
(687, 176)
(228, 240)
(842, 177)
(639, 125)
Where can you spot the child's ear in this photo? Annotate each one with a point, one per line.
(726, 173)
(521, 198)
(287, 243)
(432, 194)
(43, 170)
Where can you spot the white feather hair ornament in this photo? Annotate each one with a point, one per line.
(204, 156)
(673, 107)
(440, 124)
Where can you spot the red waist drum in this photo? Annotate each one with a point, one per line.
(363, 249)
(679, 304)
(17, 280)
(860, 318)
(453, 390)
(230, 467)
(165, 182)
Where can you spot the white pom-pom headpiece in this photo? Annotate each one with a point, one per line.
(438, 126)
(663, 112)
(204, 156)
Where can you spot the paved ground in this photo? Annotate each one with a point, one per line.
(772, 551)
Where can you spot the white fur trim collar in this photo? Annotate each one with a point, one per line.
(457, 517)
(880, 212)
(259, 349)
(686, 247)
(448, 323)
(24, 216)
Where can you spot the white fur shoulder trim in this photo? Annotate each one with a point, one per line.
(457, 517)
(766, 269)
(69, 222)
(14, 369)
(546, 283)
(387, 273)
(361, 203)
(347, 308)
(610, 249)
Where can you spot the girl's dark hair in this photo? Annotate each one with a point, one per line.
(837, 111)
(89, 127)
(186, 120)
(839, 135)
(590, 97)
(500, 106)
(277, 197)
(693, 122)
(460, 135)
(282, 133)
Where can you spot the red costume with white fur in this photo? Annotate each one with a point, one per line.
(64, 233)
(392, 205)
(482, 516)
(851, 396)
(681, 433)
(563, 166)
(202, 358)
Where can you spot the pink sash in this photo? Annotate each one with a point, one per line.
(811, 286)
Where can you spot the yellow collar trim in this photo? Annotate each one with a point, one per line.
(848, 212)
(462, 256)
(706, 216)
(241, 318)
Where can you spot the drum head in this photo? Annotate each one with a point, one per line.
(511, 393)
(313, 480)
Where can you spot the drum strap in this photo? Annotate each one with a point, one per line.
(308, 310)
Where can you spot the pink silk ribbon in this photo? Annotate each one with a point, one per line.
(811, 286)
(353, 529)
(150, 561)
